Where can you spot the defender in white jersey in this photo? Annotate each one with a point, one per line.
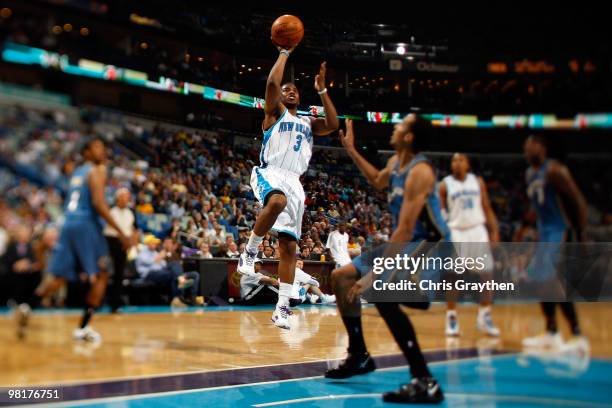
(464, 198)
(285, 153)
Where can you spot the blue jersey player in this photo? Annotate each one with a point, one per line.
(415, 208)
(561, 215)
(81, 247)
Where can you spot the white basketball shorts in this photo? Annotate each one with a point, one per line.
(473, 243)
(270, 178)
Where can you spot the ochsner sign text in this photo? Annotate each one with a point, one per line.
(433, 67)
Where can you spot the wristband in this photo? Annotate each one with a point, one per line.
(287, 53)
(323, 91)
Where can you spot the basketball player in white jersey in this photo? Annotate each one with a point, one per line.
(285, 153)
(464, 198)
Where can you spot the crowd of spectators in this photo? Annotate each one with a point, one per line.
(198, 195)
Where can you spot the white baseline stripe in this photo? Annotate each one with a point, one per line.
(471, 397)
(323, 397)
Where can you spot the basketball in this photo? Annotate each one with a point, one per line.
(287, 31)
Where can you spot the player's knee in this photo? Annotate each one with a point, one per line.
(341, 278)
(104, 264)
(287, 256)
(335, 279)
(387, 308)
(277, 203)
(287, 247)
(287, 243)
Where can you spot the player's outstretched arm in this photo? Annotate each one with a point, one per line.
(273, 107)
(329, 124)
(379, 179)
(419, 184)
(561, 178)
(97, 182)
(492, 225)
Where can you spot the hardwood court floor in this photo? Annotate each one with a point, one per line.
(162, 343)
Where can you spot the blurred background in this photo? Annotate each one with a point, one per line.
(175, 88)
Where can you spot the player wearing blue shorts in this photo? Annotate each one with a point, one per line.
(81, 247)
(285, 153)
(415, 208)
(561, 213)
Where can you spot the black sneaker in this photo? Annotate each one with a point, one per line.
(420, 391)
(355, 364)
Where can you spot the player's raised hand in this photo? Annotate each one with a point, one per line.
(320, 77)
(348, 139)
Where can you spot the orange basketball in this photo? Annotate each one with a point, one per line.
(287, 31)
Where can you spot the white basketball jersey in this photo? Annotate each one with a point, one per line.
(464, 202)
(288, 144)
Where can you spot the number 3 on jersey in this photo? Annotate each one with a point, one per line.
(298, 142)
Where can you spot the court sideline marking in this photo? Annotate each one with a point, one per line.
(180, 373)
(471, 397)
(196, 390)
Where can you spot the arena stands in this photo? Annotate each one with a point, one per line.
(192, 185)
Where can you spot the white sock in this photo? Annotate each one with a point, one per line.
(253, 245)
(482, 310)
(284, 291)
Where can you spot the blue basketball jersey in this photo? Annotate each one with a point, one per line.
(430, 225)
(552, 222)
(79, 207)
